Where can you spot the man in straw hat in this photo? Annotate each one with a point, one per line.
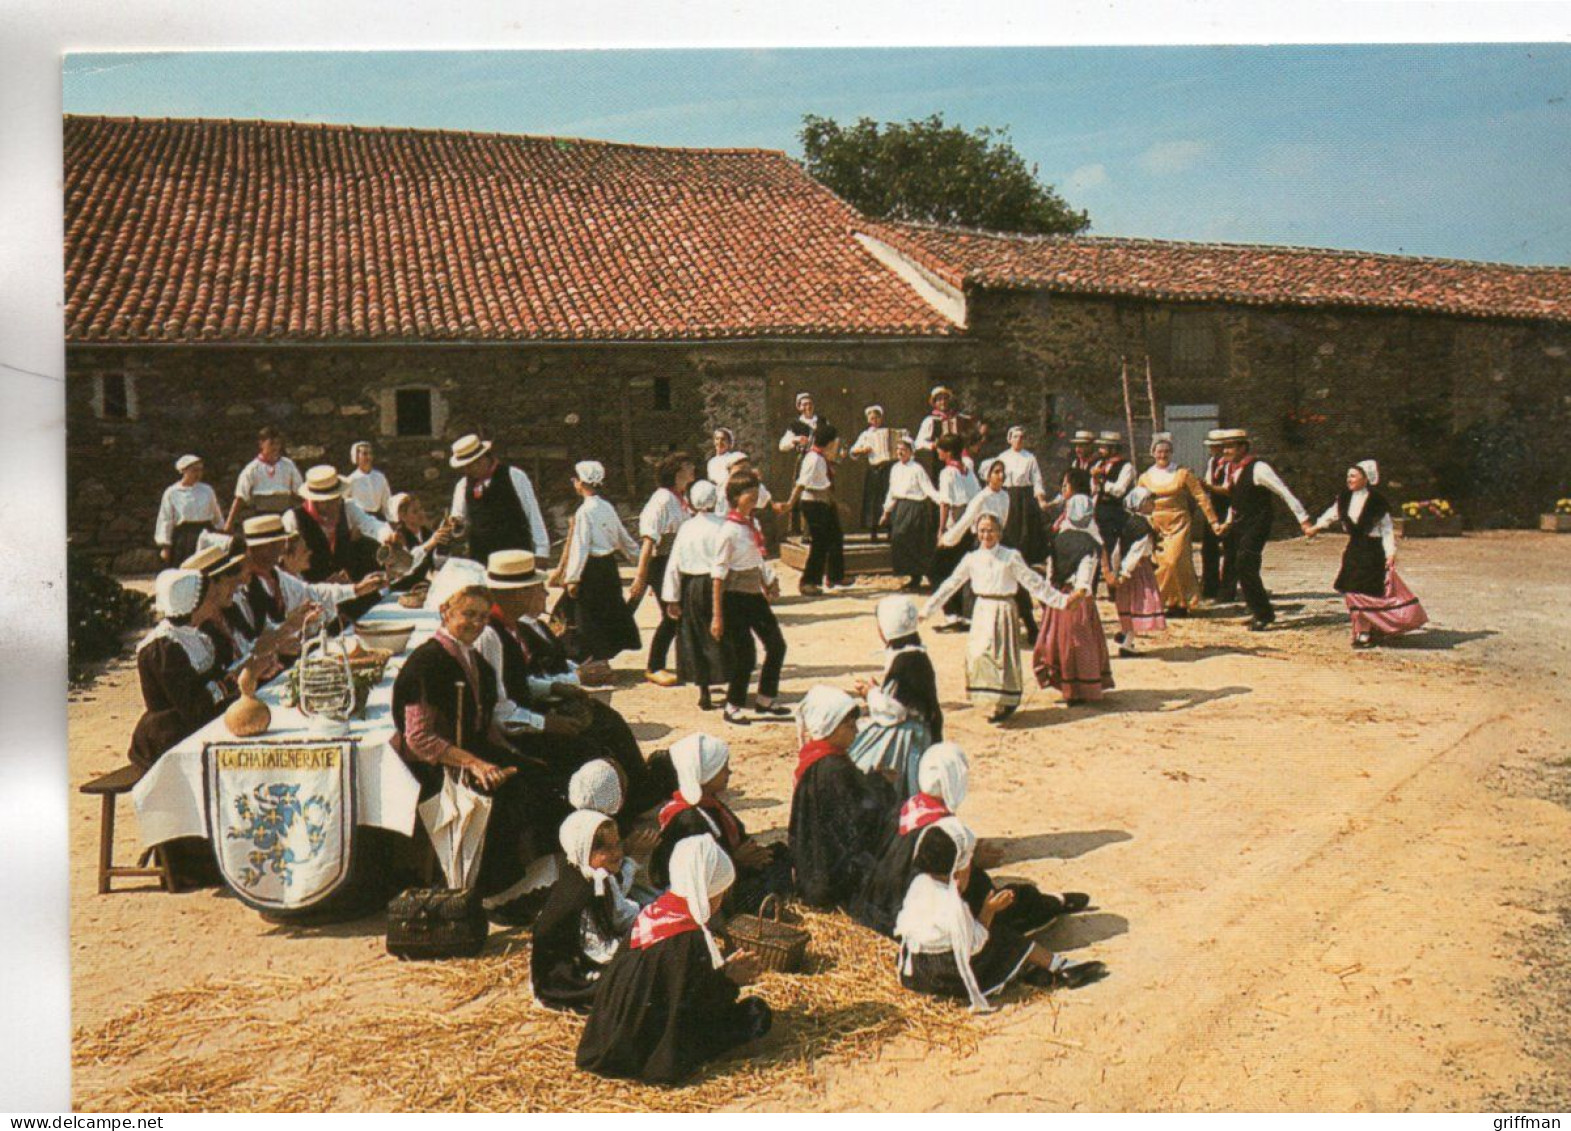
(1250, 484)
(272, 597)
(1082, 450)
(1112, 476)
(339, 536)
(1218, 582)
(188, 509)
(497, 501)
(266, 485)
(943, 419)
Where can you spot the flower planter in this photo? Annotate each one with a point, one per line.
(1556, 523)
(1431, 526)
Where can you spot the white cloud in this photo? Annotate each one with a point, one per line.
(1086, 177)
(1172, 156)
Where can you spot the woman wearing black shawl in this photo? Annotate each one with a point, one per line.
(837, 811)
(904, 715)
(668, 1002)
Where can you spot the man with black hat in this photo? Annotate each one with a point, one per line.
(1250, 484)
(497, 501)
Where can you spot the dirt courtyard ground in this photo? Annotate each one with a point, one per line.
(1324, 879)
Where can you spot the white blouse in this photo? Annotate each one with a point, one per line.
(814, 477)
(693, 552)
(957, 488)
(1118, 486)
(876, 444)
(736, 551)
(1385, 529)
(997, 573)
(662, 516)
(1266, 476)
(258, 478)
(1021, 469)
(370, 490)
(359, 521)
(597, 531)
(909, 480)
(196, 503)
(985, 501)
(1138, 551)
(719, 469)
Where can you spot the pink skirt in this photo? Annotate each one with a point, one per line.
(1392, 615)
(1071, 653)
(1139, 602)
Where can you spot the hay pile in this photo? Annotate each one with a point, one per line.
(467, 1036)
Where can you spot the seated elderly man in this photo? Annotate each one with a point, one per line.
(444, 713)
(341, 538)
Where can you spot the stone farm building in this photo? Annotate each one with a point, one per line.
(580, 299)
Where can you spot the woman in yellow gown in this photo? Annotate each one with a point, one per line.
(1177, 493)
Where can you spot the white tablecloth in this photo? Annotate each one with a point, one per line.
(168, 799)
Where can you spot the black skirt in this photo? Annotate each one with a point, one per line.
(913, 527)
(874, 487)
(182, 543)
(1363, 567)
(1025, 530)
(693, 639)
(999, 962)
(603, 624)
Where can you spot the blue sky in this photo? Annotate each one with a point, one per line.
(1429, 150)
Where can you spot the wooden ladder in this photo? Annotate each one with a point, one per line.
(1139, 404)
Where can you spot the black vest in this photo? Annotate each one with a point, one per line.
(1251, 503)
(1070, 546)
(1375, 508)
(547, 656)
(515, 665)
(496, 519)
(326, 559)
(431, 676)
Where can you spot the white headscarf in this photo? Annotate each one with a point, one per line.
(596, 786)
(731, 458)
(1079, 511)
(700, 871)
(1017, 430)
(897, 617)
(934, 911)
(455, 574)
(395, 503)
(703, 494)
(578, 844)
(822, 709)
(590, 471)
(1371, 470)
(354, 449)
(943, 772)
(872, 408)
(696, 760)
(177, 592)
(1136, 499)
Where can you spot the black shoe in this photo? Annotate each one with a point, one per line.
(774, 710)
(1258, 625)
(1078, 974)
(734, 716)
(706, 703)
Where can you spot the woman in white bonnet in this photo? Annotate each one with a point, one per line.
(595, 607)
(904, 716)
(1378, 602)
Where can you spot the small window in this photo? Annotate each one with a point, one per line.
(662, 394)
(114, 397)
(412, 409)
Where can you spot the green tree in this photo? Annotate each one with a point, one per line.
(925, 170)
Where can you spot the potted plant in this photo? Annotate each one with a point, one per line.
(1430, 518)
(1558, 520)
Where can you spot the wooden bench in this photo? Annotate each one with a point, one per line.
(150, 865)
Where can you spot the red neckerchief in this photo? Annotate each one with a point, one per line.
(665, 918)
(758, 535)
(477, 488)
(921, 810)
(958, 465)
(687, 507)
(505, 623)
(328, 528)
(829, 468)
(270, 468)
(1234, 470)
(729, 829)
(814, 752)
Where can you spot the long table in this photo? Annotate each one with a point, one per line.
(169, 798)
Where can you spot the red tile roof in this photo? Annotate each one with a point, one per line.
(206, 230)
(1233, 273)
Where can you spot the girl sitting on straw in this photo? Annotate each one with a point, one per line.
(589, 911)
(948, 951)
(668, 1002)
(996, 573)
(702, 765)
(1136, 594)
(904, 716)
(837, 812)
(944, 777)
(1071, 653)
(1378, 602)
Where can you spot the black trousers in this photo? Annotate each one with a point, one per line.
(748, 615)
(665, 631)
(1247, 561)
(826, 544)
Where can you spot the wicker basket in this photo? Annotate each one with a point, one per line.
(779, 946)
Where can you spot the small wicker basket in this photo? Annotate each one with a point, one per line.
(779, 946)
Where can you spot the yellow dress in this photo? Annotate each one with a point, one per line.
(1177, 493)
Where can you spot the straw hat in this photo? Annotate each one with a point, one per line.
(467, 449)
(1232, 435)
(1214, 437)
(1083, 436)
(265, 529)
(323, 484)
(1111, 439)
(939, 390)
(512, 569)
(213, 561)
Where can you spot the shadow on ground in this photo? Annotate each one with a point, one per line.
(1054, 846)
